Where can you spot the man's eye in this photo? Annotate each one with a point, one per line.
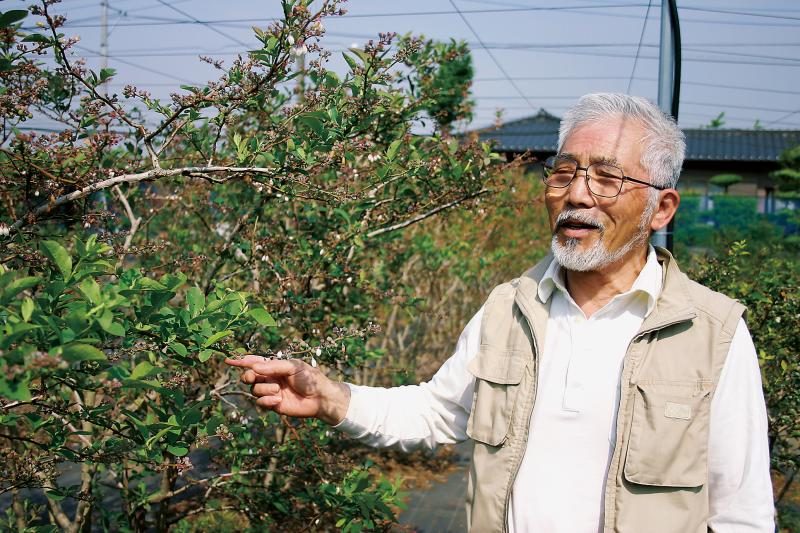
(605, 171)
(564, 170)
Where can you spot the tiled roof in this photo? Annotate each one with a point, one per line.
(539, 133)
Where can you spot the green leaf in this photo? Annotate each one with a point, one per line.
(115, 328)
(26, 309)
(205, 355)
(15, 391)
(10, 17)
(196, 301)
(260, 315)
(53, 495)
(17, 286)
(217, 336)
(107, 73)
(77, 351)
(178, 451)
(35, 38)
(90, 290)
(58, 255)
(14, 332)
(215, 305)
(149, 284)
(179, 349)
(390, 153)
(350, 61)
(314, 123)
(144, 369)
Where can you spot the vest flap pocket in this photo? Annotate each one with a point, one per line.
(668, 442)
(505, 367)
(499, 374)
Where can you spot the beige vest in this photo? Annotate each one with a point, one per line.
(657, 477)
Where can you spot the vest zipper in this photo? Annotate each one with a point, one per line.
(535, 387)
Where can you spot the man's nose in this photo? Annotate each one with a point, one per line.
(578, 193)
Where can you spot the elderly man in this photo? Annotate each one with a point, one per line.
(603, 390)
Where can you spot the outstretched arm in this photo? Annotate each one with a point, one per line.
(294, 388)
(407, 417)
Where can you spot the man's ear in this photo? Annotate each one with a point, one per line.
(668, 202)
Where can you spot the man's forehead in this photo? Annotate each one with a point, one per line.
(610, 140)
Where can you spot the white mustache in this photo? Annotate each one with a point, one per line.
(578, 216)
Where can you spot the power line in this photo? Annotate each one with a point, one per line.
(775, 61)
(574, 8)
(740, 13)
(779, 119)
(719, 105)
(207, 25)
(136, 65)
(491, 55)
(639, 46)
(640, 78)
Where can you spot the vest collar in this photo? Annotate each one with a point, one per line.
(649, 281)
(674, 303)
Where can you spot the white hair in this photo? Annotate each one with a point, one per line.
(664, 143)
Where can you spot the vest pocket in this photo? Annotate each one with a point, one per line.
(498, 376)
(668, 444)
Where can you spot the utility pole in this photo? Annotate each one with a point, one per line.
(669, 86)
(104, 39)
(666, 73)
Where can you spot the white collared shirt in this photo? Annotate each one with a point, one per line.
(559, 486)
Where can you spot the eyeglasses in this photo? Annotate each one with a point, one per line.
(602, 179)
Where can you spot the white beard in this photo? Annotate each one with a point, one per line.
(598, 256)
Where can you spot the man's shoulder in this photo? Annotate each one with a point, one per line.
(711, 303)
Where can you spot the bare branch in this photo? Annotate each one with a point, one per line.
(18, 403)
(150, 175)
(135, 221)
(423, 216)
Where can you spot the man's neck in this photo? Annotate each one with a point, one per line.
(592, 290)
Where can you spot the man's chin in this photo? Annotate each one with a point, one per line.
(578, 244)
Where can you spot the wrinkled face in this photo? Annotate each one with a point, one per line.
(591, 232)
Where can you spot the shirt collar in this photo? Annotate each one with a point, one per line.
(649, 280)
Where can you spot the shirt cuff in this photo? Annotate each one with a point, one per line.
(353, 423)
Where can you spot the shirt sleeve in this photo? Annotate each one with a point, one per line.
(739, 484)
(416, 416)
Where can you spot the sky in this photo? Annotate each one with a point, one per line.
(739, 57)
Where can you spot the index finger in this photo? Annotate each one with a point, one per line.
(247, 361)
(268, 367)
